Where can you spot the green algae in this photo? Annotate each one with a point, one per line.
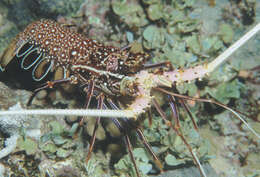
(28, 145)
(226, 32)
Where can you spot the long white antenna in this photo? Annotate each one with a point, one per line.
(224, 56)
(72, 112)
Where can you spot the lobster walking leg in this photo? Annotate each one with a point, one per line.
(149, 149)
(216, 103)
(89, 92)
(48, 84)
(140, 136)
(187, 109)
(126, 136)
(93, 138)
(179, 133)
(130, 150)
(175, 112)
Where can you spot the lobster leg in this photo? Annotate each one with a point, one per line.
(161, 112)
(234, 112)
(93, 138)
(175, 112)
(185, 106)
(126, 137)
(48, 84)
(149, 149)
(179, 133)
(128, 144)
(89, 91)
(130, 149)
(150, 117)
(140, 136)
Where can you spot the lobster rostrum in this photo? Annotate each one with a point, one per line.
(52, 53)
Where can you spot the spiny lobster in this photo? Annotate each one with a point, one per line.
(52, 53)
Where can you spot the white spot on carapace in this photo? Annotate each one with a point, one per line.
(73, 52)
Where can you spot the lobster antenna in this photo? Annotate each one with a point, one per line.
(224, 56)
(72, 112)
